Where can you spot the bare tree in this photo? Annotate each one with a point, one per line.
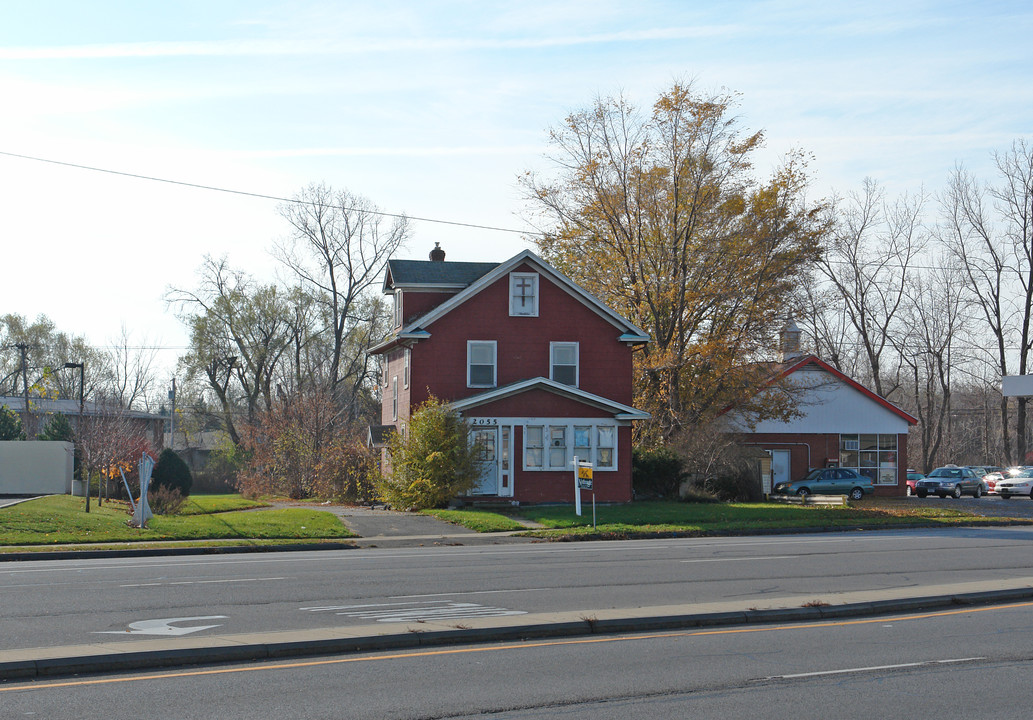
(989, 228)
(868, 262)
(934, 313)
(338, 249)
(239, 331)
(131, 377)
(107, 438)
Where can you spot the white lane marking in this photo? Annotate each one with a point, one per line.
(760, 557)
(327, 556)
(201, 582)
(873, 668)
(469, 592)
(416, 611)
(164, 627)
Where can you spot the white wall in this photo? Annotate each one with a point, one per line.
(36, 467)
(829, 405)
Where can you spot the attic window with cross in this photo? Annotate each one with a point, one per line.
(523, 294)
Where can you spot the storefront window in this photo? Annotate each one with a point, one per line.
(874, 456)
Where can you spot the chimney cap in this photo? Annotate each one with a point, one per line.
(437, 254)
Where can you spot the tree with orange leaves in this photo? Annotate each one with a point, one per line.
(662, 217)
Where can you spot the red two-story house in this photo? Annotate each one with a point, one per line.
(540, 369)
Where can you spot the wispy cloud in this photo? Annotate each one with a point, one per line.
(231, 48)
(394, 151)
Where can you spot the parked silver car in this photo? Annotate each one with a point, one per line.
(952, 481)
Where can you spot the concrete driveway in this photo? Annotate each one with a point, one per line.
(391, 528)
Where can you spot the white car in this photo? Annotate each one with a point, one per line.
(1020, 484)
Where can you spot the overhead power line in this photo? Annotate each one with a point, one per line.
(261, 196)
(295, 201)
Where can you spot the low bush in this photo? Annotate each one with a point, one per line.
(164, 500)
(656, 474)
(433, 462)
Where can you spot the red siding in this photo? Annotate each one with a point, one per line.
(439, 363)
(416, 303)
(438, 367)
(808, 451)
(538, 404)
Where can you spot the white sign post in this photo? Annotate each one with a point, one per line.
(583, 481)
(577, 488)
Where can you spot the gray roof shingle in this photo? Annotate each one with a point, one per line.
(427, 272)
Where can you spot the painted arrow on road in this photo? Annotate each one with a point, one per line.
(164, 627)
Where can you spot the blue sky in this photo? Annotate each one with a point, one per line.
(433, 109)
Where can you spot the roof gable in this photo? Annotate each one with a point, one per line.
(631, 332)
(801, 363)
(619, 410)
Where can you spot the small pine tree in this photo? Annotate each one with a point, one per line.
(58, 428)
(434, 462)
(10, 424)
(172, 472)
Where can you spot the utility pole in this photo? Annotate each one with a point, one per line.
(172, 417)
(29, 427)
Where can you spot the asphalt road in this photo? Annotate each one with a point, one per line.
(50, 603)
(960, 663)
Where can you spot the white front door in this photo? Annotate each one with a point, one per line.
(486, 442)
(780, 467)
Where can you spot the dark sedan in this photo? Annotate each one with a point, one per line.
(950, 481)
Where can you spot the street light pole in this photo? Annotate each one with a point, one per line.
(79, 426)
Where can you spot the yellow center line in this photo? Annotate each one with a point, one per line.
(500, 648)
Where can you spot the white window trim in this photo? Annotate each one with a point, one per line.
(513, 277)
(577, 360)
(494, 362)
(405, 371)
(570, 424)
(398, 308)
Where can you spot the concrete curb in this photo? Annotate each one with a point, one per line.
(160, 551)
(98, 662)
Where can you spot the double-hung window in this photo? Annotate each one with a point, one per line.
(557, 446)
(481, 361)
(523, 294)
(405, 371)
(583, 443)
(534, 446)
(394, 398)
(564, 362)
(606, 442)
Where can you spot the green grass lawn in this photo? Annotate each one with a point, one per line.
(59, 519)
(204, 504)
(479, 520)
(644, 519)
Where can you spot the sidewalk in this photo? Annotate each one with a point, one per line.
(171, 652)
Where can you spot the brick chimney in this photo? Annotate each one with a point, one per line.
(437, 254)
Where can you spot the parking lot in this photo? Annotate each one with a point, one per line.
(989, 505)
